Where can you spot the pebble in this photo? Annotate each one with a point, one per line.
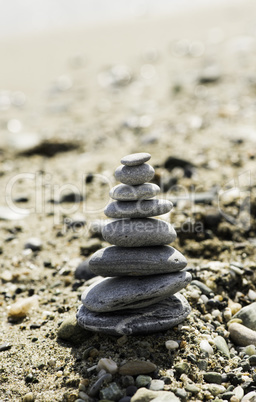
(248, 315)
(135, 159)
(123, 192)
(156, 385)
(114, 294)
(137, 367)
(238, 392)
(34, 243)
(71, 331)
(137, 209)
(131, 390)
(213, 377)
(241, 335)
(143, 380)
(221, 344)
(215, 389)
(192, 388)
(108, 365)
(204, 289)
(250, 350)
(250, 397)
(157, 317)
(139, 232)
(127, 380)
(252, 360)
(5, 346)
(93, 391)
(181, 393)
(83, 271)
(182, 368)
(22, 307)
(146, 395)
(121, 261)
(206, 347)
(112, 392)
(171, 345)
(29, 397)
(134, 175)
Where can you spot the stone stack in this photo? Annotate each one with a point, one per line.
(144, 273)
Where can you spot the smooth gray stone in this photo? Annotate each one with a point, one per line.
(123, 261)
(157, 317)
(133, 292)
(248, 315)
(134, 175)
(135, 159)
(139, 232)
(137, 209)
(123, 192)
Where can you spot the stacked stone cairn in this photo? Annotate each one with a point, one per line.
(144, 274)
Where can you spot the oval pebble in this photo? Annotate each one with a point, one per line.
(241, 335)
(134, 175)
(114, 294)
(136, 367)
(135, 159)
(122, 261)
(97, 385)
(108, 365)
(137, 209)
(171, 345)
(138, 232)
(124, 192)
(206, 347)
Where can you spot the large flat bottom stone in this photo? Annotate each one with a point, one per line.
(154, 318)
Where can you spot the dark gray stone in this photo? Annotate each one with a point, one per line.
(157, 317)
(137, 209)
(134, 175)
(123, 261)
(139, 232)
(135, 159)
(83, 271)
(133, 292)
(124, 192)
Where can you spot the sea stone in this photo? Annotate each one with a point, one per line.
(122, 261)
(135, 159)
(147, 395)
(137, 367)
(157, 317)
(137, 209)
(248, 315)
(123, 192)
(114, 294)
(139, 232)
(241, 335)
(134, 175)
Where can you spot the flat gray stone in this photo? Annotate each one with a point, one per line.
(133, 292)
(157, 317)
(135, 159)
(137, 209)
(124, 192)
(139, 232)
(134, 175)
(123, 261)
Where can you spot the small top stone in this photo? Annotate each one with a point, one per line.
(135, 159)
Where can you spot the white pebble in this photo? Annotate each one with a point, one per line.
(59, 373)
(250, 397)
(252, 294)
(156, 385)
(107, 364)
(204, 298)
(171, 345)
(216, 313)
(206, 347)
(239, 392)
(250, 350)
